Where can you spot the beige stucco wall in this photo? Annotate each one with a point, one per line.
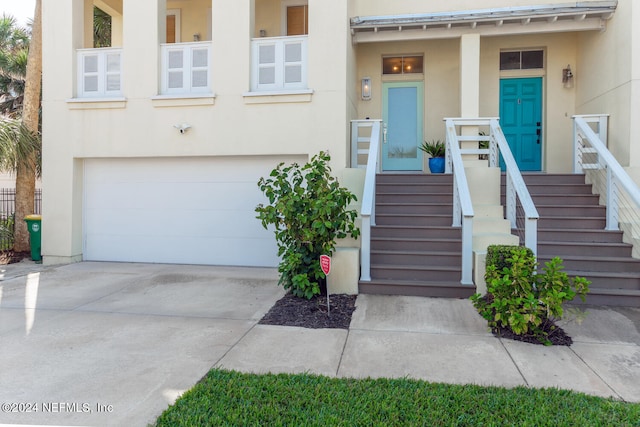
(558, 102)
(192, 19)
(608, 80)
(442, 84)
(139, 127)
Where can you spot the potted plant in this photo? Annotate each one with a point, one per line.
(436, 149)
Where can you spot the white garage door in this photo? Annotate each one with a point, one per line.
(186, 211)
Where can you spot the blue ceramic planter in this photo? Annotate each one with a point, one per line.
(436, 164)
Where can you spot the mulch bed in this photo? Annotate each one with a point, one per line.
(556, 335)
(293, 311)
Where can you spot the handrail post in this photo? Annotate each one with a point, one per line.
(365, 252)
(577, 153)
(354, 144)
(612, 203)
(510, 199)
(467, 250)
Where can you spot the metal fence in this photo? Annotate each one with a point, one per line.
(7, 212)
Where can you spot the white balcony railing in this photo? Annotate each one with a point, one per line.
(279, 63)
(186, 68)
(99, 73)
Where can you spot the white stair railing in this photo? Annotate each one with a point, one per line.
(462, 205)
(367, 212)
(591, 156)
(516, 189)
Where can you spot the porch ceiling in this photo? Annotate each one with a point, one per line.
(577, 16)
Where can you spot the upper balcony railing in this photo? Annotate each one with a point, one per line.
(279, 64)
(186, 68)
(99, 73)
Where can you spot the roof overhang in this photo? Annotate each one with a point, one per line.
(577, 16)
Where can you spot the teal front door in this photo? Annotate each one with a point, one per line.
(402, 113)
(521, 120)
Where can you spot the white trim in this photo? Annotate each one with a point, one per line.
(178, 14)
(580, 16)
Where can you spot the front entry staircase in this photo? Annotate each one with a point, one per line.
(572, 227)
(416, 251)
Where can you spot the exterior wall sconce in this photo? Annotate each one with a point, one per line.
(366, 89)
(567, 77)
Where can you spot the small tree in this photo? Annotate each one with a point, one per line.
(308, 209)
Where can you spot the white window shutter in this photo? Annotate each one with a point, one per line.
(175, 69)
(292, 63)
(199, 68)
(267, 64)
(90, 74)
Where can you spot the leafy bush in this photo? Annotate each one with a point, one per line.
(521, 300)
(308, 209)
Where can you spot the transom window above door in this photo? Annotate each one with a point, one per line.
(521, 60)
(402, 64)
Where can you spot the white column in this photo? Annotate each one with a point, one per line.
(470, 75)
(142, 35)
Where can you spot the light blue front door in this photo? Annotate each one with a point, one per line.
(402, 118)
(521, 120)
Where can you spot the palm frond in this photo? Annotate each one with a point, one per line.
(18, 145)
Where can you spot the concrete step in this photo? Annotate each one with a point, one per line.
(491, 225)
(438, 289)
(483, 240)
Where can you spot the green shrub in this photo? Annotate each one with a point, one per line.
(308, 209)
(521, 300)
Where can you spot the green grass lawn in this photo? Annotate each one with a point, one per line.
(234, 399)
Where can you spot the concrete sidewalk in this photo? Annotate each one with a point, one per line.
(115, 344)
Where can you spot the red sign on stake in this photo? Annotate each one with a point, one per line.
(325, 264)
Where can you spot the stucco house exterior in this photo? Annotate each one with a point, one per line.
(153, 147)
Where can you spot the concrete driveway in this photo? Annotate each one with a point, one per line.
(115, 344)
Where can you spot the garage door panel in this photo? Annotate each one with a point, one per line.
(193, 211)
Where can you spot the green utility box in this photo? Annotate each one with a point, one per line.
(34, 225)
